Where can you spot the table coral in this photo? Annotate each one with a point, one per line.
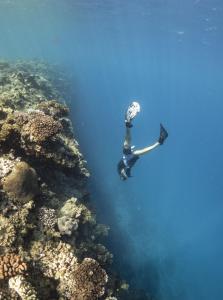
(21, 185)
(11, 265)
(23, 288)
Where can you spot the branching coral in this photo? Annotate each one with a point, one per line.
(11, 265)
(47, 217)
(7, 232)
(6, 166)
(20, 219)
(85, 280)
(21, 184)
(23, 288)
(56, 260)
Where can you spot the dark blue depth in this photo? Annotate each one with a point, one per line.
(166, 222)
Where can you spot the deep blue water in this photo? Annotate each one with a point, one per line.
(166, 221)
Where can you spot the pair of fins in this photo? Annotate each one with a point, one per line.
(132, 111)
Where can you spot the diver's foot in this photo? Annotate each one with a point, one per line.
(128, 124)
(163, 134)
(132, 111)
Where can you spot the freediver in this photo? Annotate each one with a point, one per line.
(130, 156)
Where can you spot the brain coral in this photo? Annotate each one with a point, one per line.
(41, 128)
(21, 184)
(90, 280)
(11, 265)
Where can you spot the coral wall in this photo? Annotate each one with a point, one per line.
(49, 238)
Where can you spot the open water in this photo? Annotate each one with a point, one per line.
(167, 221)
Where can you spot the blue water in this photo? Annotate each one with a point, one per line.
(166, 222)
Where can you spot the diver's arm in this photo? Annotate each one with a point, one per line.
(146, 149)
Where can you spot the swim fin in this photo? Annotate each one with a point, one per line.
(132, 111)
(163, 134)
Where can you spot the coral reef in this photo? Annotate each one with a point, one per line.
(44, 204)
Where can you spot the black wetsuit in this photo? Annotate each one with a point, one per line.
(127, 162)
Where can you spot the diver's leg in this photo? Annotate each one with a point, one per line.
(146, 149)
(132, 111)
(128, 139)
(163, 136)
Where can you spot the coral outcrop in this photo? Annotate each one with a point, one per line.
(44, 205)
